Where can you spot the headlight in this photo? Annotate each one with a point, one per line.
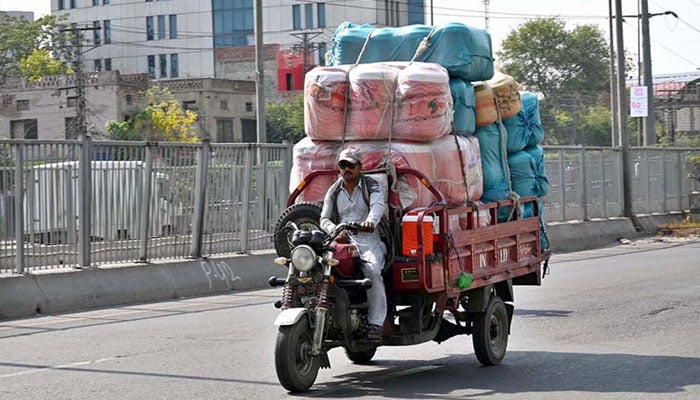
(303, 258)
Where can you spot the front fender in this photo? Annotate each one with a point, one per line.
(290, 316)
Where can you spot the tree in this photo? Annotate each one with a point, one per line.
(285, 120)
(163, 119)
(20, 39)
(569, 68)
(40, 63)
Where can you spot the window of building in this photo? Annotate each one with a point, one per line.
(224, 130)
(61, 4)
(129, 99)
(415, 12)
(73, 3)
(189, 105)
(96, 33)
(152, 67)
(296, 17)
(161, 27)
(72, 102)
(233, 23)
(173, 26)
(149, 28)
(248, 106)
(107, 31)
(396, 13)
(322, 49)
(174, 66)
(321, 14)
(223, 104)
(108, 64)
(105, 2)
(309, 15)
(22, 105)
(95, 3)
(71, 127)
(24, 129)
(98, 65)
(163, 62)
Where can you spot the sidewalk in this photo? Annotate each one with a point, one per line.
(55, 291)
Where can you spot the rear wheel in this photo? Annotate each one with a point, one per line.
(306, 216)
(490, 332)
(296, 367)
(361, 356)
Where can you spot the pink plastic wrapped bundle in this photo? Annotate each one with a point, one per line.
(372, 88)
(418, 156)
(424, 105)
(450, 178)
(324, 102)
(309, 156)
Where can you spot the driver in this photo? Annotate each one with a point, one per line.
(355, 197)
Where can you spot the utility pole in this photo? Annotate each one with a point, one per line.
(649, 131)
(305, 38)
(615, 134)
(81, 120)
(486, 14)
(622, 114)
(259, 74)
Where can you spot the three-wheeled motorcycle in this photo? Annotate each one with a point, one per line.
(456, 279)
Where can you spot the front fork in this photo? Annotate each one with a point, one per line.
(322, 307)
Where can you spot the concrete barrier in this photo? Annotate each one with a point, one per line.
(71, 290)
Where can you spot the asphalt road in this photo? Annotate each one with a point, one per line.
(618, 323)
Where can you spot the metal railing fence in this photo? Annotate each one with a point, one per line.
(586, 182)
(143, 200)
(146, 201)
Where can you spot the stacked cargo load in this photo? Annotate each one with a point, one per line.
(424, 98)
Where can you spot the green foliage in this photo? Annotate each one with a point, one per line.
(285, 120)
(570, 68)
(20, 38)
(163, 119)
(547, 58)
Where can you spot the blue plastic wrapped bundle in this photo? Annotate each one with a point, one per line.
(463, 50)
(528, 178)
(525, 128)
(464, 106)
(523, 178)
(493, 165)
(537, 153)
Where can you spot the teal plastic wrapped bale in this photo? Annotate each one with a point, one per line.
(523, 178)
(492, 163)
(525, 128)
(463, 50)
(464, 106)
(537, 153)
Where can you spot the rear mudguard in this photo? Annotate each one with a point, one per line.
(290, 316)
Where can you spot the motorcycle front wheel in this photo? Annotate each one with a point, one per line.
(296, 367)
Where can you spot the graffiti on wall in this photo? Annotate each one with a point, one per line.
(219, 271)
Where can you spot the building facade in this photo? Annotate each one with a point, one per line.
(48, 109)
(172, 39)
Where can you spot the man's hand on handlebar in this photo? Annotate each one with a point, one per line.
(367, 226)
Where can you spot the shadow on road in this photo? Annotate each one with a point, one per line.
(521, 372)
